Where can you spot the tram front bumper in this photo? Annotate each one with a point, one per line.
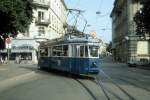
(94, 70)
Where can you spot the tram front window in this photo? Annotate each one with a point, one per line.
(93, 51)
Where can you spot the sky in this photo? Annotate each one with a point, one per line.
(99, 23)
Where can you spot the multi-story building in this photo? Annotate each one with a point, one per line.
(49, 19)
(102, 49)
(125, 41)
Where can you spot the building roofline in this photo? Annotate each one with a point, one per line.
(64, 4)
(115, 2)
(112, 12)
(114, 8)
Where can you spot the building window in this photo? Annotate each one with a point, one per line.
(40, 15)
(41, 31)
(50, 18)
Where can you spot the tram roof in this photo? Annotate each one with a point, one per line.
(72, 38)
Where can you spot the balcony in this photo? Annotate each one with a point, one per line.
(41, 3)
(45, 22)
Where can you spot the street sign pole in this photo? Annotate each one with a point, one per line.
(8, 55)
(8, 47)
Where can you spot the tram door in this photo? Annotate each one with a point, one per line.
(76, 54)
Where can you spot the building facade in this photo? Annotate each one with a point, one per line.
(102, 49)
(124, 38)
(49, 19)
(24, 47)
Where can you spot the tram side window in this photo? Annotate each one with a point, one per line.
(65, 50)
(81, 51)
(74, 51)
(44, 52)
(57, 51)
(60, 50)
(50, 51)
(86, 51)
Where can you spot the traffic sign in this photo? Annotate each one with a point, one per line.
(8, 40)
(8, 43)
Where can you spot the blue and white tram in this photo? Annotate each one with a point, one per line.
(73, 54)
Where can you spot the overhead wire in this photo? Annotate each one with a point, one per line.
(72, 17)
(98, 10)
(100, 15)
(73, 14)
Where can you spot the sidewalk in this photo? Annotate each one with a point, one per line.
(12, 75)
(8, 71)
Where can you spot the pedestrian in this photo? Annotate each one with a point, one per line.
(19, 59)
(26, 59)
(6, 60)
(16, 59)
(1, 60)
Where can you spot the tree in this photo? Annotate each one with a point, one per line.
(16, 15)
(142, 19)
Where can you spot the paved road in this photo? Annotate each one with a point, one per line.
(11, 70)
(39, 85)
(26, 82)
(124, 83)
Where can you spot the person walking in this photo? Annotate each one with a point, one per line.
(19, 59)
(6, 60)
(1, 60)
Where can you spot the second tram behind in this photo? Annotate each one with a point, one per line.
(74, 54)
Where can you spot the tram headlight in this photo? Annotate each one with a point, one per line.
(94, 65)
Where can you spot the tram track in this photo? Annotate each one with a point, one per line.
(134, 84)
(102, 88)
(87, 89)
(105, 90)
(134, 81)
(139, 72)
